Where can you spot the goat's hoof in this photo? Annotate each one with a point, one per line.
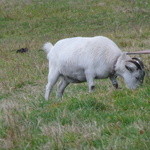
(118, 88)
(92, 87)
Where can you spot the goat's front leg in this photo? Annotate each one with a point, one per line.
(90, 80)
(114, 81)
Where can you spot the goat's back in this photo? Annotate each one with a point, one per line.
(84, 49)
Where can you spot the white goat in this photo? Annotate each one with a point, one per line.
(81, 59)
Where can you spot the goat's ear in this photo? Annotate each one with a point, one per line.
(129, 68)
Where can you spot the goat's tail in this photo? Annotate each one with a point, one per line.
(47, 47)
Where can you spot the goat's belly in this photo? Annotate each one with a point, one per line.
(77, 75)
(102, 74)
(74, 75)
(75, 80)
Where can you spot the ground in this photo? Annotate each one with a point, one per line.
(106, 119)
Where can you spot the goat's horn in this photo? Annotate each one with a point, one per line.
(139, 61)
(136, 64)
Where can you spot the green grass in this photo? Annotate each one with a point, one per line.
(106, 119)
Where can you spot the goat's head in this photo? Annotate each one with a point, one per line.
(131, 69)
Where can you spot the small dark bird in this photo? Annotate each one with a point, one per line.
(22, 50)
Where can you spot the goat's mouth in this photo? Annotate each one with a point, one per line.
(132, 86)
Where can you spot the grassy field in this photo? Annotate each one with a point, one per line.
(107, 119)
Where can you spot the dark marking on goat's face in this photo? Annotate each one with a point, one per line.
(129, 68)
(141, 76)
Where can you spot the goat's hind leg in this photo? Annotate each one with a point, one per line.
(61, 87)
(52, 79)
